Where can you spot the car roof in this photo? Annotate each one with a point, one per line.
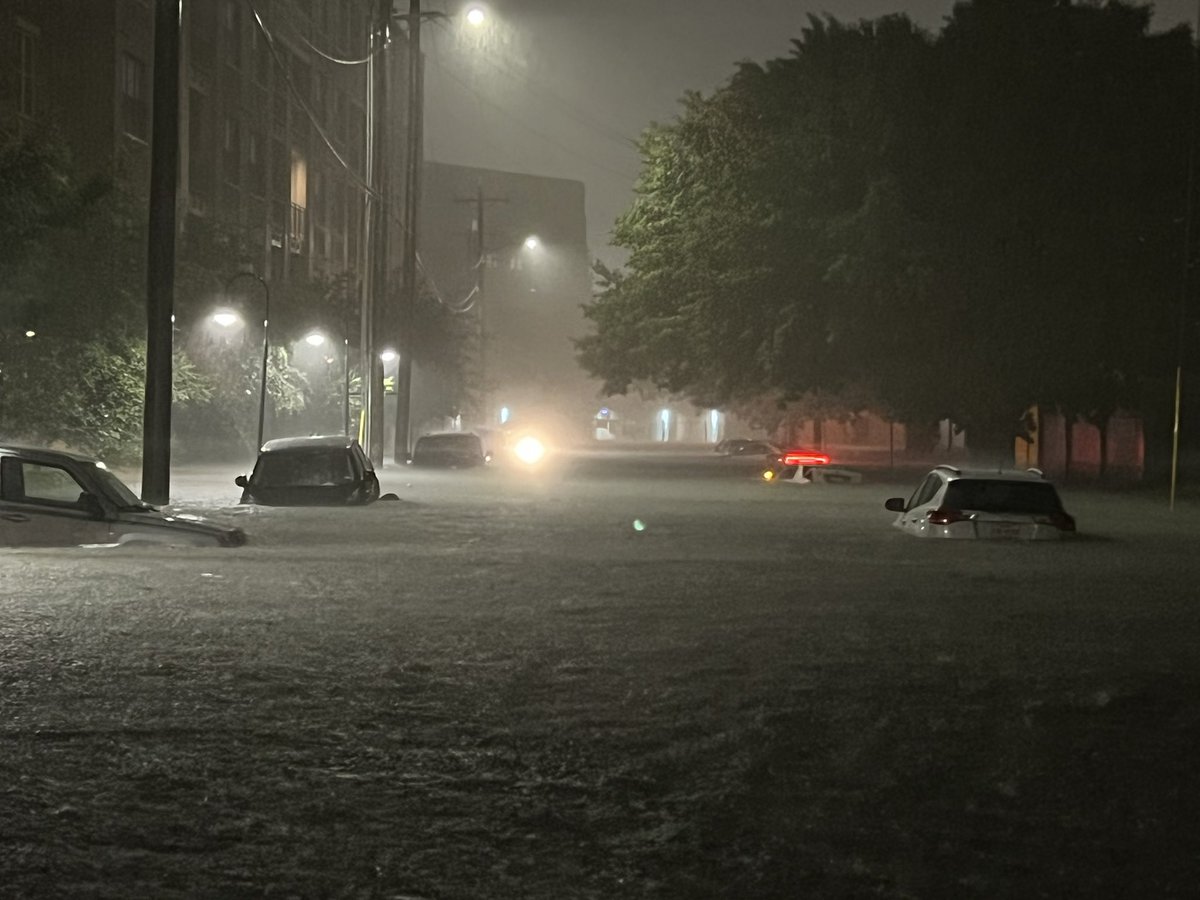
(953, 473)
(445, 434)
(44, 454)
(336, 441)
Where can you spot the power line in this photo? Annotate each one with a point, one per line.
(303, 104)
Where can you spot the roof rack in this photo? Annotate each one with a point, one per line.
(955, 469)
(1033, 470)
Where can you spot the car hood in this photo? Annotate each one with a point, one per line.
(184, 525)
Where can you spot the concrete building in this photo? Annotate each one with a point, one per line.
(511, 251)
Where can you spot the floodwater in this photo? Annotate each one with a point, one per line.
(499, 686)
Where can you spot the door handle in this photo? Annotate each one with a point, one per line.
(15, 517)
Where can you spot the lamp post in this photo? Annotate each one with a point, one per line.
(262, 387)
(317, 339)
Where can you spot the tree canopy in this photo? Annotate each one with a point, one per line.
(945, 226)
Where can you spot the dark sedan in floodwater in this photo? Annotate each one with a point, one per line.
(450, 450)
(323, 470)
(49, 498)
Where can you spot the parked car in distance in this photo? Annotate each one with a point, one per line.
(450, 450)
(49, 498)
(955, 503)
(322, 470)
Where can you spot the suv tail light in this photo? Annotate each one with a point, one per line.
(945, 516)
(805, 458)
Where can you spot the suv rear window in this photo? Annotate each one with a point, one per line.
(993, 495)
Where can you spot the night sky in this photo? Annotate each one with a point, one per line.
(562, 88)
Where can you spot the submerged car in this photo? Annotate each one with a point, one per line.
(49, 498)
(450, 450)
(794, 466)
(955, 503)
(322, 470)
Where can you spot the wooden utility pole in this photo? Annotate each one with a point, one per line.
(481, 202)
(160, 256)
(413, 162)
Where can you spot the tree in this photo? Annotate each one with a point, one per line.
(950, 226)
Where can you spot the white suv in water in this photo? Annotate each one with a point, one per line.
(954, 503)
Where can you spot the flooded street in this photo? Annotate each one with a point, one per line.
(499, 687)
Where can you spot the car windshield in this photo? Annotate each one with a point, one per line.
(449, 443)
(117, 491)
(313, 467)
(994, 495)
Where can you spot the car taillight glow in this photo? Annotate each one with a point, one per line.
(944, 516)
(805, 458)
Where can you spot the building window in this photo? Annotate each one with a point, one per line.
(256, 164)
(26, 71)
(296, 226)
(262, 58)
(230, 160)
(231, 22)
(135, 112)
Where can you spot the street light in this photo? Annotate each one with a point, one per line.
(532, 242)
(317, 339)
(476, 16)
(262, 387)
(226, 319)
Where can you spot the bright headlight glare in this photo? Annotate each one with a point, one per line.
(529, 450)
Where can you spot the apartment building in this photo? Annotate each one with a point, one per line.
(272, 103)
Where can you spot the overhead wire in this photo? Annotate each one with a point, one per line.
(303, 104)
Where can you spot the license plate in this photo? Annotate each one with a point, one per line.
(1009, 530)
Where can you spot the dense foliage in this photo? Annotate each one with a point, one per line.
(939, 226)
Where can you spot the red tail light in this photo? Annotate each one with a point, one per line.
(805, 458)
(944, 516)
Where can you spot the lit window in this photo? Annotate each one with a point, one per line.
(135, 113)
(299, 202)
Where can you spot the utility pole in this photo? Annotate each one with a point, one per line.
(381, 210)
(160, 256)
(480, 202)
(413, 161)
(372, 249)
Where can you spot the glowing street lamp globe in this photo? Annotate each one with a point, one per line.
(476, 16)
(388, 356)
(316, 339)
(532, 242)
(226, 319)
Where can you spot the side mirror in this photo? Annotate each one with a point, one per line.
(91, 505)
(895, 504)
(241, 481)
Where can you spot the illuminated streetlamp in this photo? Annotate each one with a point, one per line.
(532, 242)
(389, 356)
(315, 339)
(226, 319)
(476, 16)
(30, 333)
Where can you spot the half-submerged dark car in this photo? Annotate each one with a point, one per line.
(450, 450)
(49, 498)
(324, 470)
